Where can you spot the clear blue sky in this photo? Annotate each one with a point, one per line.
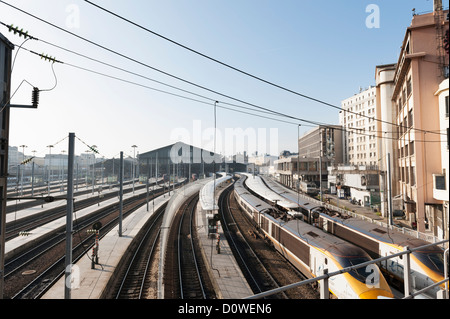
(322, 49)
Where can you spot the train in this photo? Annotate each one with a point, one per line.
(427, 265)
(312, 250)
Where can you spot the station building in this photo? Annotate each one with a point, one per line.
(187, 161)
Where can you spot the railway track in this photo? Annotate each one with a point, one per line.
(185, 275)
(139, 279)
(29, 275)
(28, 223)
(261, 264)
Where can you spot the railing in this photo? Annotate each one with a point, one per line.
(324, 292)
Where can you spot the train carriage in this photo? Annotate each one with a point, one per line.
(311, 250)
(427, 265)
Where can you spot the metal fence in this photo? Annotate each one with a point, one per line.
(324, 292)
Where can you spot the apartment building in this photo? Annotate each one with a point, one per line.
(422, 67)
(358, 120)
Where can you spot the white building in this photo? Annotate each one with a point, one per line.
(359, 136)
(441, 181)
(387, 135)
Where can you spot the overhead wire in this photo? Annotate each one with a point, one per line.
(242, 71)
(177, 88)
(223, 102)
(313, 123)
(203, 87)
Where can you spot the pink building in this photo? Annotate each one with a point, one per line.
(422, 67)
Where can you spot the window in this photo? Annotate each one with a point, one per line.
(446, 106)
(439, 182)
(413, 176)
(407, 175)
(408, 87)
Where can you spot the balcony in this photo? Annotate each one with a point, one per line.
(439, 188)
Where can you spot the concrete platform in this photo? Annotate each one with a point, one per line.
(18, 244)
(223, 269)
(91, 283)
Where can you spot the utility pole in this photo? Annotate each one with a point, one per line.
(133, 165)
(69, 218)
(389, 189)
(6, 48)
(120, 194)
(320, 163)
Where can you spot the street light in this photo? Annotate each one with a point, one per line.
(132, 167)
(93, 147)
(49, 169)
(21, 173)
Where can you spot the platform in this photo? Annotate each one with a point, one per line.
(20, 243)
(226, 275)
(92, 283)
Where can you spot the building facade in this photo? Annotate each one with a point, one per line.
(387, 137)
(321, 145)
(421, 68)
(441, 181)
(358, 120)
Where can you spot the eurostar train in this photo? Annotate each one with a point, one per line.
(427, 265)
(312, 250)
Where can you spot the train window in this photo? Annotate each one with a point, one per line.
(326, 261)
(433, 259)
(360, 273)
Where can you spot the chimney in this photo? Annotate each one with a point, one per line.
(437, 5)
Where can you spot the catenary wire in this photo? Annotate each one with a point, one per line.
(222, 107)
(242, 71)
(186, 91)
(203, 87)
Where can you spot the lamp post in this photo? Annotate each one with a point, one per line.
(21, 173)
(298, 166)
(32, 174)
(132, 167)
(49, 179)
(93, 147)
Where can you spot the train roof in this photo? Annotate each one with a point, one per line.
(316, 237)
(207, 193)
(290, 195)
(256, 184)
(377, 232)
(259, 204)
(311, 235)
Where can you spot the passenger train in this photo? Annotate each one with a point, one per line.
(427, 265)
(312, 250)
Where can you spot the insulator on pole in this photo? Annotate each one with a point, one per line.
(35, 97)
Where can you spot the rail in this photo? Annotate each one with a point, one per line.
(324, 293)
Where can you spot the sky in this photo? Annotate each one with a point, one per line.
(325, 50)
